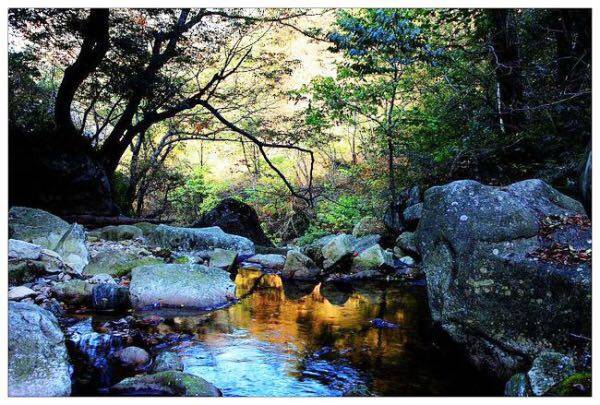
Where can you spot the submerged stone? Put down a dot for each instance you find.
(167, 361)
(91, 352)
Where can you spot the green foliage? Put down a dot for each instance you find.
(312, 233)
(196, 196)
(30, 94)
(120, 186)
(342, 214)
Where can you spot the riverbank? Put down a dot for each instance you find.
(163, 310)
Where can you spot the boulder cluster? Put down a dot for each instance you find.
(507, 269)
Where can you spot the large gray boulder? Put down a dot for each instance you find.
(180, 285)
(337, 250)
(497, 282)
(299, 266)
(269, 261)
(199, 241)
(313, 249)
(38, 364)
(49, 231)
(374, 257)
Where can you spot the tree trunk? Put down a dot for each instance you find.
(94, 47)
(507, 64)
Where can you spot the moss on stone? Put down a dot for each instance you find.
(122, 269)
(174, 383)
(182, 260)
(146, 227)
(576, 385)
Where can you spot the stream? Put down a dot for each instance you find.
(286, 338)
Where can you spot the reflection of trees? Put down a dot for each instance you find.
(282, 312)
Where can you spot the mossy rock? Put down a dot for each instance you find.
(168, 361)
(125, 268)
(38, 363)
(117, 232)
(146, 227)
(73, 291)
(372, 258)
(518, 386)
(49, 231)
(179, 286)
(166, 383)
(25, 271)
(577, 385)
(116, 262)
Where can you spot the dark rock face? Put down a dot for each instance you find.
(60, 176)
(110, 296)
(495, 281)
(237, 218)
(394, 216)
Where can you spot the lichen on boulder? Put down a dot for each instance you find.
(38, 363)
(180, 285)
(486, 286)
(49, 231)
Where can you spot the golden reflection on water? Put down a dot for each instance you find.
(310, 316)
(241, 344)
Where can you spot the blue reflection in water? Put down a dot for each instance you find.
(244, 366)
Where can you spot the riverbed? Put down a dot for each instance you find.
(285, 338)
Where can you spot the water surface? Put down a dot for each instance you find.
(301, 339)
